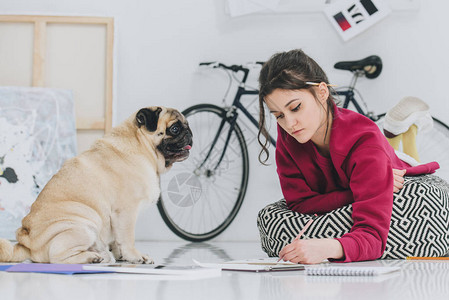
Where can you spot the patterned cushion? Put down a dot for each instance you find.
(419, 222)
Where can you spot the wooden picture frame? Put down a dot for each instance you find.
(67, 52)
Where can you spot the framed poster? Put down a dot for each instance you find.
(352, 17)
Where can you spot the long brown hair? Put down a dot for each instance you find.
(288, 71)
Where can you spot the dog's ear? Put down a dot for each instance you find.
(149, 118)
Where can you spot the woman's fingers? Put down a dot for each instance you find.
(400, 173)
(398, 179)
(284, 251)
(397, 186)
(288, 253)
(398, 182)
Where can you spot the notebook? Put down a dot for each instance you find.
(69, 269)
(350, 271)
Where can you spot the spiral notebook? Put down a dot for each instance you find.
(350, 271)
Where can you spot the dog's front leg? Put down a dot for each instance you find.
(123, 224)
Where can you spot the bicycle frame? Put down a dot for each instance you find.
(349, 98)
(240, 92)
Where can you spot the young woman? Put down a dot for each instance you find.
(327, 158)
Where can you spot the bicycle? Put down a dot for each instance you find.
(204, 194)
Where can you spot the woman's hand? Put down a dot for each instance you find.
(311, 251)
(398, 176)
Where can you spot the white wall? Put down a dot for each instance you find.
(159, 44)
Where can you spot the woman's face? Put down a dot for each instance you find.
(299, 113)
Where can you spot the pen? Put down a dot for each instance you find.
(302, 231)
(427, 258)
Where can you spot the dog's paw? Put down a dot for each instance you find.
(94, 258)
(137, 259)
(143, 259)
(108, 258)
(147, 259)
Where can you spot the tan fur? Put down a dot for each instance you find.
(90, 206)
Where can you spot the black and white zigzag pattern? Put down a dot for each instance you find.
(419, 222)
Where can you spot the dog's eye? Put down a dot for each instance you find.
(175, 129)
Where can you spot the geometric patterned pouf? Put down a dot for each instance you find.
(419, 222)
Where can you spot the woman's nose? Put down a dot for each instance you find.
(290, 121)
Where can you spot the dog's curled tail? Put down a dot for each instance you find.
(13, 253)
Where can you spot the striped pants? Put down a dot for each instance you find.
(419, 223)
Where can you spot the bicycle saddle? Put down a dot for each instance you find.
(371, 66)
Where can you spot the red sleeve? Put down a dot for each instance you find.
(297, 193)
(371, 182)
(428, 168)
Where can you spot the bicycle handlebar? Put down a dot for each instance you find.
(233, 68)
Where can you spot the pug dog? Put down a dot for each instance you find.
(87, 212)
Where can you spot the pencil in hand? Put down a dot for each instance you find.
(302, 231)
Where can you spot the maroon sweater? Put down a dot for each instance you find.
(358, 172)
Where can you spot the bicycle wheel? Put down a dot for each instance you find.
(198, 203)
(432, 146)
